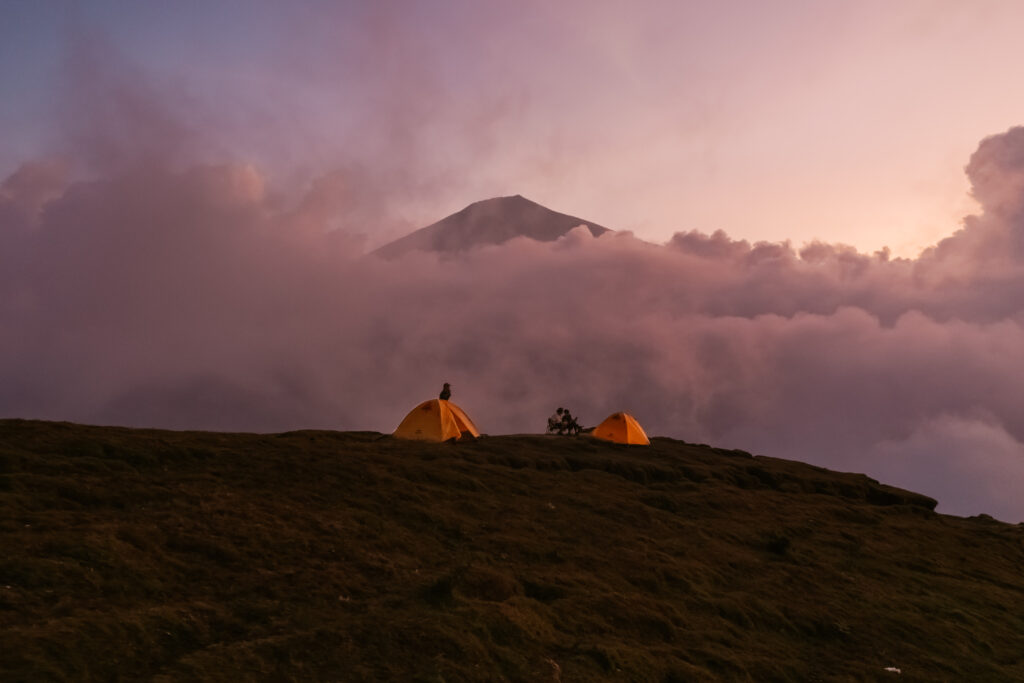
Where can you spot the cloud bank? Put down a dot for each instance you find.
(150, 290)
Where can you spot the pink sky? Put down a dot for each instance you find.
(840, 121)
(185, 200)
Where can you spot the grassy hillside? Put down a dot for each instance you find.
(155, 555)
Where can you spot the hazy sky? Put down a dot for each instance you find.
(187, 191)
(842, 121)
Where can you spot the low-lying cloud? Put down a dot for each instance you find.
(151, 293)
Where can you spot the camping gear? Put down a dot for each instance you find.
(436, 420)
(621, 428)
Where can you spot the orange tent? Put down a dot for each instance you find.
(621, 428)
(436, 420)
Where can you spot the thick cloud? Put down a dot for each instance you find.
(969, 463)
(152, 290)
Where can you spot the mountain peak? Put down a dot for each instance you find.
(489, 221)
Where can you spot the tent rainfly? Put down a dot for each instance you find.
(436, 420)
(621, 428)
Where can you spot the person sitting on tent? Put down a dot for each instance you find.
(446, 392)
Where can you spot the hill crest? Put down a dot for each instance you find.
(141, 554)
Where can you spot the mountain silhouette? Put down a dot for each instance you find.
(491, 221)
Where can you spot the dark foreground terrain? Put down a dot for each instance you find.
(155, 555)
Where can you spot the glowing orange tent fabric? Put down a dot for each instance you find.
(621, 428)
(436, 420)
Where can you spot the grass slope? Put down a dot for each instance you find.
(141, 554)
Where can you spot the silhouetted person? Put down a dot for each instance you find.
(446, 393)
(555, 422)
(562, 422)
(569, 424)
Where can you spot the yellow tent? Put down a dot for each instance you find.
(436, 420)
(621, 428)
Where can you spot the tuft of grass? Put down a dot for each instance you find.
(777, 543)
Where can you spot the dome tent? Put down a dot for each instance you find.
(621, 428)
(436, 420)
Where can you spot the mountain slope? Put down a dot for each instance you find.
(143, 554)
(491, 221)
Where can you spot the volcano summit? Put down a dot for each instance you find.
(491, 221)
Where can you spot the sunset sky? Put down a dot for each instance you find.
(188, 191)
(841, 121)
